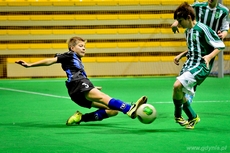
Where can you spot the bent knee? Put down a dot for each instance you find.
(177, 85)
(111, 112)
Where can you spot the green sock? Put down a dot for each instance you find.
(178, 107)
(189, 111)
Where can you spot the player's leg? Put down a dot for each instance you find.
(190, 97)
(77, 90)
(84, 93)
(104, 110)
(115, 104)
(97, 115)
(109, 112)
(102, 113)
(187, 83)
(93, 94)
(178, 103)
(193, 118)
(188, 110)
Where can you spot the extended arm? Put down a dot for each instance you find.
(44, 62)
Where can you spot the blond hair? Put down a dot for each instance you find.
(74, 41)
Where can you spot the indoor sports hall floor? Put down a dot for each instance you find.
(34, 111)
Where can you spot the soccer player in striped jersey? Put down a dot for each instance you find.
(213, 14)
(203, 45)
(81, 90)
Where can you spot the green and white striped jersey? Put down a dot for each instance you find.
(201, 41)
(216, 18)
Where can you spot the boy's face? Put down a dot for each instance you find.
(212, 3)
(79, 49)
(185, 23)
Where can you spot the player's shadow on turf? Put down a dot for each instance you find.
(156, 130)
(215, 114)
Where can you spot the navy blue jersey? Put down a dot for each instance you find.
(71, 63)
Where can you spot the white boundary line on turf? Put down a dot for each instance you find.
(35, 93)
(64, 97)
(213, 101)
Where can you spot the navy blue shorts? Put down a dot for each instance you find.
(77, 90)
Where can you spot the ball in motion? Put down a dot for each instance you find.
(146, 113)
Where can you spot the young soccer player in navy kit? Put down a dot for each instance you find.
(203, 45)
(80, 88)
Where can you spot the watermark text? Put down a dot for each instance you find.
(207, 148)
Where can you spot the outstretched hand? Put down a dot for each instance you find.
(22, 63)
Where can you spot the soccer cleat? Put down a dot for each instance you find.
(132, 112)
(181, 121)
(193, 122)
(74, 119)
